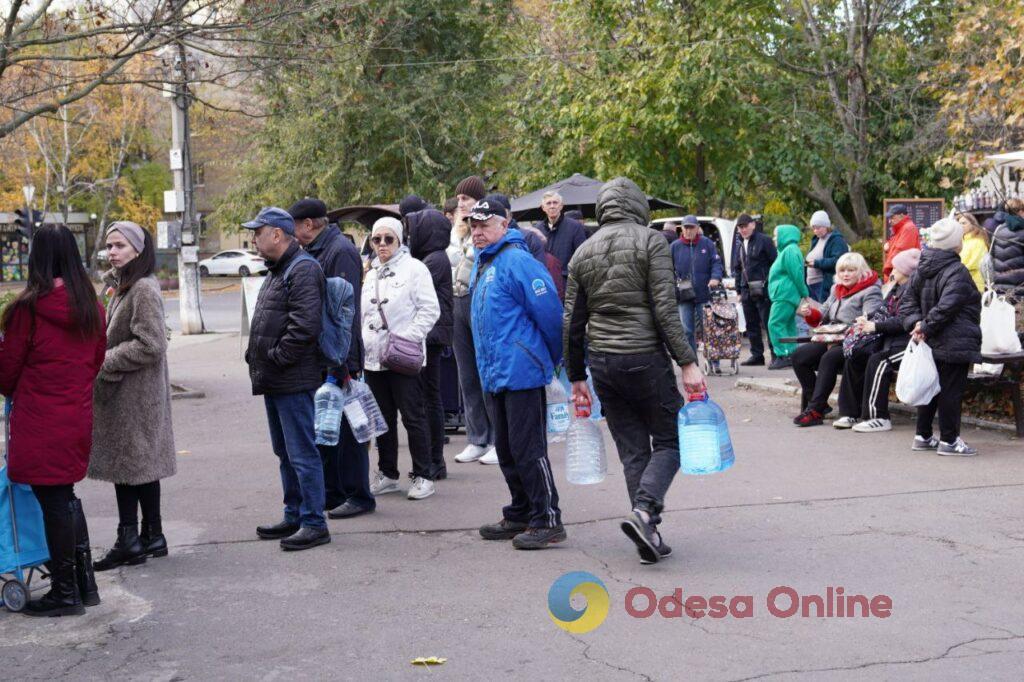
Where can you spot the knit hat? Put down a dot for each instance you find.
(132, 232)
(906, 261)
(946, 235)
(388, 224)
(820, 219)
(411, 204)
(473, 186)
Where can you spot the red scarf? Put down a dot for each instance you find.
(690, 242)
(842, 292)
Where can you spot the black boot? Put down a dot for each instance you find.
(154, 543)
(63, 598)
(84, 575)
(127, 551)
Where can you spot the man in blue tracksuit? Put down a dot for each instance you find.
(698, 269)
(517, 329)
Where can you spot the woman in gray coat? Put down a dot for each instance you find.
(133, 443)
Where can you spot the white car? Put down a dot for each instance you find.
(236, 263)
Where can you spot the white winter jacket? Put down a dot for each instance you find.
(409, 302)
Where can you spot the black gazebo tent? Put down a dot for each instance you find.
(578, 192)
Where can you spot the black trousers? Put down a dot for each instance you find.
(58, 521)
(756, 314)
(952, 381)
(396, 393)
(347, 471)
(864, 390)
(817, 366)
(520, 438)
(430, 381)
(130, 498)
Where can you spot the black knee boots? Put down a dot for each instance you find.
(63, 599)
(84, 575)
(127, 551)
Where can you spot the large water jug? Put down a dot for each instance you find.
(362, 412)
(558, 411)
(704, 443)
(585, 459)
(327, 421)
(595, 412)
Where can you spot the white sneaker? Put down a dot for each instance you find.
(382, 485)
(958, 448)
(844, 423)
(874, 426)
(491, 457)
(421, 489)
(471, 454)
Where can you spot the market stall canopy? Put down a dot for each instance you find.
(1014, 159)
(364, 215)
(578, 192)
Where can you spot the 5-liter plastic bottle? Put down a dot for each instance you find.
(558, 411)
(362, 412)
(328, 400)
(704, 443)
(585, 459)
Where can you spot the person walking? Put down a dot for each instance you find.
(479, 429)
(787, 286)
(51, 349)
(698, 269)
(347, 464)
(517, 321)
(620, 304)
(903, 235)
(429, 233)
(753, 255)
(943, 308)
(398, 300)
(285, 367)
(827, 246)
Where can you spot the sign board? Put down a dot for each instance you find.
(168, 234)
(175, 159)
(924, 212)
(190, 254)
(174, 202)
(250, 292)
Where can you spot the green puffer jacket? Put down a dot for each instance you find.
(621, 288)
(786, 280)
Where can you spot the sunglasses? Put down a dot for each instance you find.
(386, 240)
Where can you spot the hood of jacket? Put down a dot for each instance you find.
(55, 306)
(513, 237)
(621, 201)
(787, 235)
(429, 231)
(535, 243)
(934, 261)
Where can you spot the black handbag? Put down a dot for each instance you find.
(755, 289)
(685, 292)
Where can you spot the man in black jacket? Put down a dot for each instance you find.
(285, 368)
(429, 237)
(752, 258)
(347, 464)
(564, 234)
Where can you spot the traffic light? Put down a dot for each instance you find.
(26, 226)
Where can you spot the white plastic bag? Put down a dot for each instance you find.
(998, 325)
(918, 379)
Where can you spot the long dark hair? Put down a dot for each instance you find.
(55, 254)
(141, 266)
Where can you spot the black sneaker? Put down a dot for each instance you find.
(643, 535)
(539, 538)
(753, 361)
(781, 363)
(277, 531)
(664, 550)
(306, 538)
(347, 510)
(502, 530)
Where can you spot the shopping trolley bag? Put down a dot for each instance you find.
(22, 538)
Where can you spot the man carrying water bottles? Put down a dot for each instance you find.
(621, 299)
(517, 322)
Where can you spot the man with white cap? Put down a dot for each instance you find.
(826, 248)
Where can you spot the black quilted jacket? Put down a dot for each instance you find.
(942, 296)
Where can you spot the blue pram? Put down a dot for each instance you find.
(22, 538)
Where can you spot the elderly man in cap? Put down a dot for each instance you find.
(903, 235)
(285, 368)
(347, 464)
(517, 324)
(698, 269)
(565, 234)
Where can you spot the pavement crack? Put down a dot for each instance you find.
(586, 655)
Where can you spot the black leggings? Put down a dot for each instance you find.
(131, 497)
(817, 366)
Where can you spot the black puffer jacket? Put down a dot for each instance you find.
(887, 319)
(943, 297)
(429, 236)
(283, 355)
(1008, 255)
(340, 258)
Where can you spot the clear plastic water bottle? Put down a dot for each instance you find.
(585, 460)
(362, 412)
(558, 411)
(328, 400)
(595, 410)
(704, 443)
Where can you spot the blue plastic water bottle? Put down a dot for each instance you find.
(328, 400)
(704, 443)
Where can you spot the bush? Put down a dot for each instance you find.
(871, 249)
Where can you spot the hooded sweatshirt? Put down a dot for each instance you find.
(786, 281)
(429, 233)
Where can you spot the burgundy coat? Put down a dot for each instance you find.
(49, 370)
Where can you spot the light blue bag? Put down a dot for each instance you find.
(20, 513)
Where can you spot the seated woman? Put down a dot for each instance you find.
(856, 293)
(874, 355)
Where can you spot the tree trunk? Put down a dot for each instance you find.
(823, 195)
(702, 181)
(858, 200)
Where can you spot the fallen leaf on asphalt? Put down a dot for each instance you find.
(433, 660)
(184, 452)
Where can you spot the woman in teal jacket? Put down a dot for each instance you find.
(786, 287)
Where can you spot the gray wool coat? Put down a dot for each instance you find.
(132, 438)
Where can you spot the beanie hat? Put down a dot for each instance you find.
(946, 235)
(132, 232)
(906, 261)
(411, 204)
(473, 186)
(388, 224)
(820, 219)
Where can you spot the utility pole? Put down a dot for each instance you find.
(184, 202)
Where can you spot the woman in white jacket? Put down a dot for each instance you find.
(401, 287)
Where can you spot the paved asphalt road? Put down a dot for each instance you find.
(221, 310)
(803, 509)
